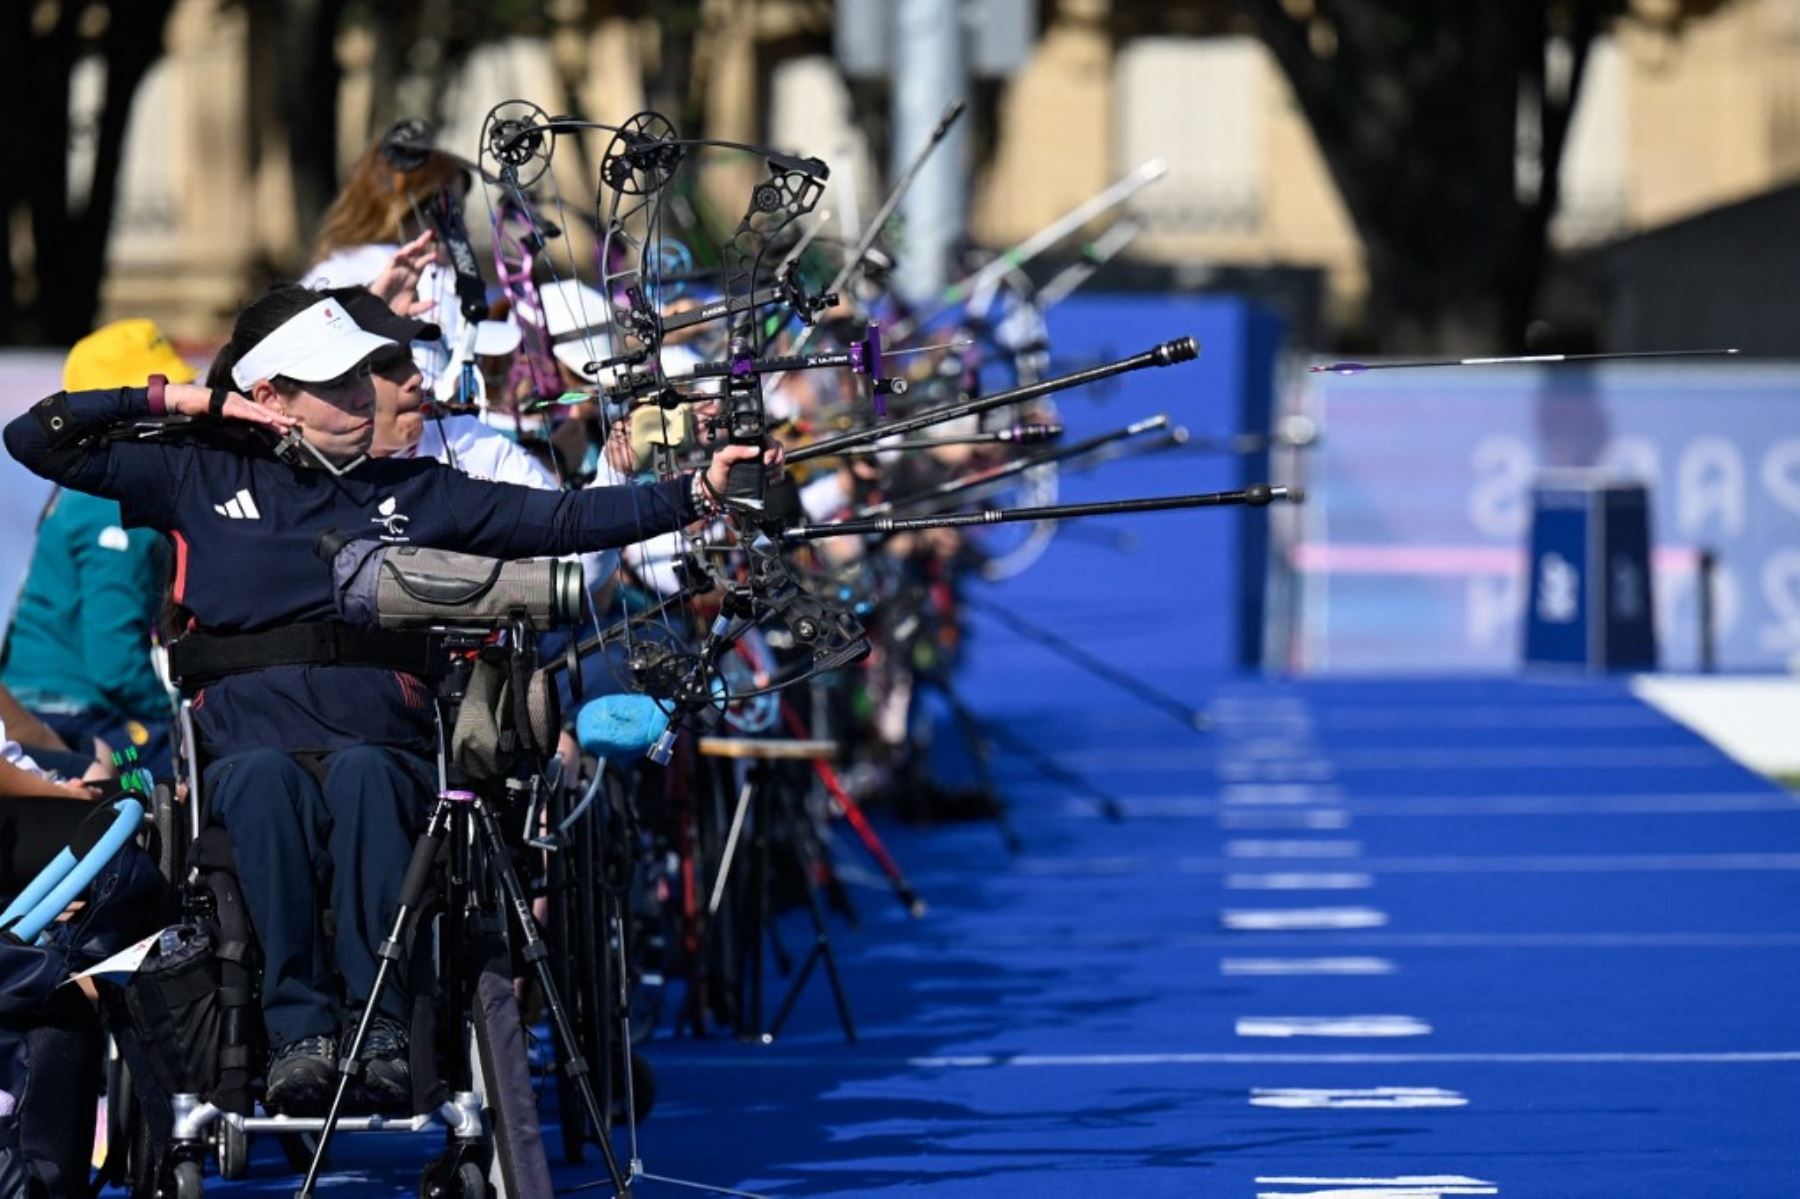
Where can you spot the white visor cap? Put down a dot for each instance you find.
(496, 339)
(575, 316)
(315, 345)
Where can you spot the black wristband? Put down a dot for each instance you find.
(706, 499)
(215, 408)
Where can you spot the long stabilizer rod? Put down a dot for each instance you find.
(1182, 349)
(1257, 495)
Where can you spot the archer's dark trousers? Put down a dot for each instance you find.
(302, 845)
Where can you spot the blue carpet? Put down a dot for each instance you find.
(1585, 919)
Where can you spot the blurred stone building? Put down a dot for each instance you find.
(1667, 128)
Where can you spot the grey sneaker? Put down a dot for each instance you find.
(302, 1077)
(386, 1066)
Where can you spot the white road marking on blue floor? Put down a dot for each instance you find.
(1357, 1097)
(1488, 716)
(1304, 770)
(1423, 758)
(1070, 1060)
(1400, 1186)
(1323, 819)
(1298, 919)
(1531, 757)
(1058, 866)
(1522, 941)
(1293, 849)
(1263, 967)
(1050, 1061)
(1279, 793)
(1332, 1026)
(1629, 863)
(1647, 804)
(1623, 863)
(1298, 880)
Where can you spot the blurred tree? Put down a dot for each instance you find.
(50, 291)
(294, 78)
(419, 47)
(1425, 113)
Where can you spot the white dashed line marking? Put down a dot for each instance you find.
(1301, 919)
(1362, 1097)
(1332, 1026)
(1323, 819)
(1292, 849)
(1297, 880)
(1266, 967)
(1401, 1186)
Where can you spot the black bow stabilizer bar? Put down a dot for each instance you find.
(1257, 495)
(1182, 349)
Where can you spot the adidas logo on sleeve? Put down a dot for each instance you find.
(239, 507)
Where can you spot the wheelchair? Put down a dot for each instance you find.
(457, 943)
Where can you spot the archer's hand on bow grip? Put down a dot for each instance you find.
(718, 471)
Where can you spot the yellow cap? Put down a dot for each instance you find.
(123, 354)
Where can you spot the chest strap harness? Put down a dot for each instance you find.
(201, 657)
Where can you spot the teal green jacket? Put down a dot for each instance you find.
(80, 636)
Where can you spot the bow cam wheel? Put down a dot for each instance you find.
(642, 155)
(516, 142)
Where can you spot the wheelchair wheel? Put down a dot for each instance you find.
(141, 1165)
(643, 1087)
(453, 1177)
(167, 818)
(585, 997)
(188, 1180)
(233, 1149)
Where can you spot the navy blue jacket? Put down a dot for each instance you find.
(245, 524)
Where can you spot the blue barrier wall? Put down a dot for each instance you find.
(1105, 580)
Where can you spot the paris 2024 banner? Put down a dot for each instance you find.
(1413, 551)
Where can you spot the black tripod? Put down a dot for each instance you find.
(982, 736)
(603, 921)
(469, 817)
(775, 820)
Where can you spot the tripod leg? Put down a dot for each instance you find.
(562, 887)
(731, 841)
(865, 832)
(1185, 714)
(750, 1014)
(412, 891)
(793, 995)
(537, 957)
(981, 753)
(621, 1000)
(682, 808)
(1036, 758)
(821, 951)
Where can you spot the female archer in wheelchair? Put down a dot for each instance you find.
(316, 736)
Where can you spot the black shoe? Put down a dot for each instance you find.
(386, 1066)
(302, 1077)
